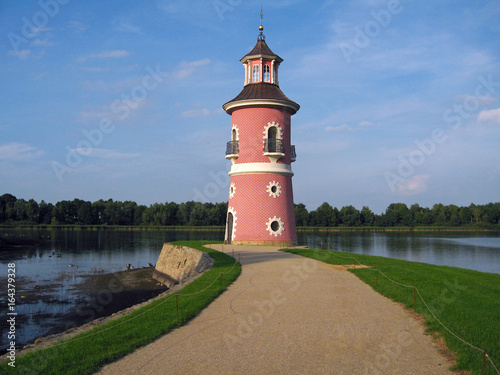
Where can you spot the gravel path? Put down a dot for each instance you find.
(291, 315)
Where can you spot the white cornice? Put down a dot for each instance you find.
(261, 168)
(231, 106)
(261, 56)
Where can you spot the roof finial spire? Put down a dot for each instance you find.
(261, 28)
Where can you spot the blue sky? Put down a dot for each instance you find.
(122, 99)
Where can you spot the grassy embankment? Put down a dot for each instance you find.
(87, 352)
(465, 301)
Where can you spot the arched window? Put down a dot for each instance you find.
(267, 73)
(271, 139)
(255, 71)
(234, 135)
(272, 132)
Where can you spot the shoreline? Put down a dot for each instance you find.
(45, 341)
(221, 228)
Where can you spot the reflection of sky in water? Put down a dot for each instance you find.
(43, 269)
(486, 242)
(477, 253)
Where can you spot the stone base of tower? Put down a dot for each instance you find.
(265, 243)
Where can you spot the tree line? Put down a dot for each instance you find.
(19, 211)
(399, 214)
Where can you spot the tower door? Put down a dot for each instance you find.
(229, 227)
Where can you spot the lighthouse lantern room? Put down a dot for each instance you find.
(260, 207)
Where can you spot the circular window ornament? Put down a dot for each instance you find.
(275, 226)
(274, 189)
(232, 190)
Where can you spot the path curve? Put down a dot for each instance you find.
(287, 314)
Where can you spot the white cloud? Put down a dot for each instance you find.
(19, 152)
(414, 185)
(124, 25)
(22, 54)
(41, 75)
(117, 53)
(330, 128)
(98, 85)
(365, 123)
(42, 42)
(187, 68)
(95, 69)
(200, 113)
(492, 115)
(103, 153)
(77, 26)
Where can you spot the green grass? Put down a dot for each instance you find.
(87, 352)
(465, 301)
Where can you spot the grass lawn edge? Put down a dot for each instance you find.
(467, 301)
(87, 352)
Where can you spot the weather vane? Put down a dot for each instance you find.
(261, 28)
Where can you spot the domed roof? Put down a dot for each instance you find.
(261, 49)
(261, 94)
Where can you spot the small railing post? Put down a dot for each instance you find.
(484, 360)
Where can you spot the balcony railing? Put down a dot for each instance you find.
(274, 146)
(293, 154)
(232, 148)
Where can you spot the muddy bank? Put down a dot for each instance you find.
(96, 297)
(131, 280)
(113, 292)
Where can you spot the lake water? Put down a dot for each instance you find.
(49, 294)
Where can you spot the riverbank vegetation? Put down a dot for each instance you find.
(89, 351)
(466, 302)
(15, 211)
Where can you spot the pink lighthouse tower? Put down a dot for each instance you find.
(260, 208)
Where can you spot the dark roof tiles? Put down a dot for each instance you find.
(261, 48)
(262, 90)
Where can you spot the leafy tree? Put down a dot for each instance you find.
(99, 208)
(465, 215)
(454, 212)
(367, 217)
(350, 216)
(325, 215)
(138, 214)
(301, 215)
(86, 214)
(493, 213)
(65, 212)
(398, 214)
(45, 212)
